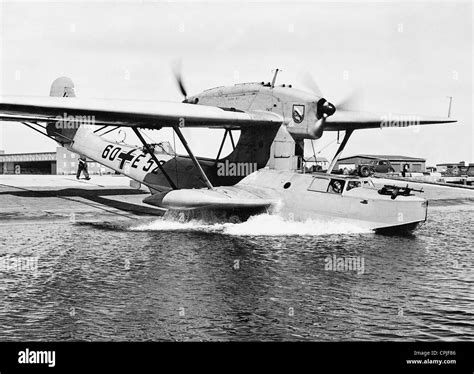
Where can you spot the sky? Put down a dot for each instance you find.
(398, 57)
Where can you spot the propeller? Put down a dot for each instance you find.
(325, 109)
(179, 80)
(310, 83)
(352, 101)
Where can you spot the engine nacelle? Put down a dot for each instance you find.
(316, 131)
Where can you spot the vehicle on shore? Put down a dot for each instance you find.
(375, 166)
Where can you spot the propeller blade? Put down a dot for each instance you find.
(352, 101)
(310, 83)
(179, 79)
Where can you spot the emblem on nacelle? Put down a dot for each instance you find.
(298, 113)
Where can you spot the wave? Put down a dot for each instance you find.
(260, 225)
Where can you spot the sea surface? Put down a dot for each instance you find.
(265, 280)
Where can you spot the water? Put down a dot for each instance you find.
(262, 280)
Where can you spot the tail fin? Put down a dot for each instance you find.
(62, 87)
(61, 130)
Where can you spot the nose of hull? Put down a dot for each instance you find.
(405, 229)
(413, 213)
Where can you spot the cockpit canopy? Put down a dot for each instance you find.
(338, 185)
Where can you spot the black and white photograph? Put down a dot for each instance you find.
(236, 172)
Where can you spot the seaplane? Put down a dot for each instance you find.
(263, 172)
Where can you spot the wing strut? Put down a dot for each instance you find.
(347, 135)
(222, 145)
(153, 156)
(195, 161)
(232, 139)
(30, 125)
(223, 142)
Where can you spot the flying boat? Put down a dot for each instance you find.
(264, 171)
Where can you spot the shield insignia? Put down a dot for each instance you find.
(298, 113)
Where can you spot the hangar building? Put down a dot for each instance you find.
(415, 164)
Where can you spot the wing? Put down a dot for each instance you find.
(352, 120)
(131, 113)
(218, 198)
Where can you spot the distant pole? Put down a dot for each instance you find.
(449, 108)
(275, 77)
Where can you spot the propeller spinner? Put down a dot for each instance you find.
(324, 109)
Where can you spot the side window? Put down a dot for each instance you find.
(352, 184)
(336, 186)
(319, 185)
(368, 184)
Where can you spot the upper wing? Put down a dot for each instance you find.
(352, 120)
(145, 114)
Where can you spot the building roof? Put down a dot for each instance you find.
(28, 157)
(386, 157)
(452, 164)
(318, 159)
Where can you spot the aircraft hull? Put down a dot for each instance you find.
(363, 206)
(287, 193)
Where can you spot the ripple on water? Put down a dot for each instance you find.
(265, 279)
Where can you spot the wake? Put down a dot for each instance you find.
(260, 225)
